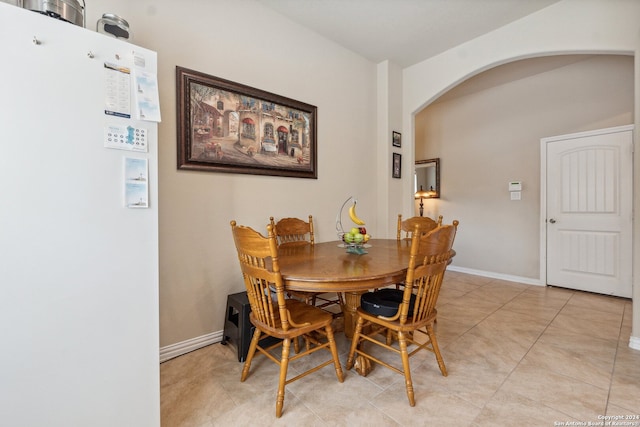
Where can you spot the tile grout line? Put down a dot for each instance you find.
(615, 360)
(527, 352)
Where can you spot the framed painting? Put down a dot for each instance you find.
(397, 166)
(396, 139)
(229, 127)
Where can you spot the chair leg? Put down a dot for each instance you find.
(252, 350)
(340, 298)
(402, 341)
(284, 364)
(389, 336)
(436, 349)
(334, 353)
(354, 343)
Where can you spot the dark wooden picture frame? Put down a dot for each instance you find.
(229, 127)
(428, 176)
(396, 139)
(396, 166)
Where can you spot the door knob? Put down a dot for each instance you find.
(552, 221)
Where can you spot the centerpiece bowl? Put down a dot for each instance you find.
(352, 247)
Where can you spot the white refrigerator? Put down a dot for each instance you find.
(78, 227)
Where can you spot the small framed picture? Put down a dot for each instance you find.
(396, 139)
(397, 165)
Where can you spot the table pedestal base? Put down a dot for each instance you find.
(352, 302)
(362, 365)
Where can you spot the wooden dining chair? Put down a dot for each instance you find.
(407, 313)
(406, 227)
(282, 318)
(292, 232)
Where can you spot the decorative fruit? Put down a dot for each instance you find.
(348, 238)
(353, 216)
(366, 238)
(362, 230)
(358, 238)
(354, 231)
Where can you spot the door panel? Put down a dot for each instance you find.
(589, 202)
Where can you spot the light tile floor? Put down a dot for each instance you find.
(516, 355)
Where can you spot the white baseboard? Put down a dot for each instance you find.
(634, 343)
(492, 275)
(184, 347)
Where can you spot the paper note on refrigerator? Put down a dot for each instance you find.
(136, 186)
(126, 138)
(118, 91)
(146, 96)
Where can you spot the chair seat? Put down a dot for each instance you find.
(304, 314)
(384, 302)
(395, 325)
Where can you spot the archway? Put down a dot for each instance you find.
(487, 129)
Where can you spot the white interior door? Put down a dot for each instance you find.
(589, 211)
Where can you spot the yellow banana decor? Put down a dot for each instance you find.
(354, 239)
(353, 216)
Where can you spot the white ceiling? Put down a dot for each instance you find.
(404, 32)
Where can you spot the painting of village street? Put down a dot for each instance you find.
(231, 131)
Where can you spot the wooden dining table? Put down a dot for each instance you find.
(327, 267)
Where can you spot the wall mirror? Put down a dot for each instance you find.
(427, 177)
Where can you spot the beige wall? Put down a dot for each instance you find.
(358, 105)
(246, 43)
(389, 105)
(487, 132)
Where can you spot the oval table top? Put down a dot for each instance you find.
(326, 267)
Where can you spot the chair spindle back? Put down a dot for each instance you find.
(258, 256)
(293, 231)
(407, 227)
(430, 255)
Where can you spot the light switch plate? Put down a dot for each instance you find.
(515, 186)
(516, 195)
